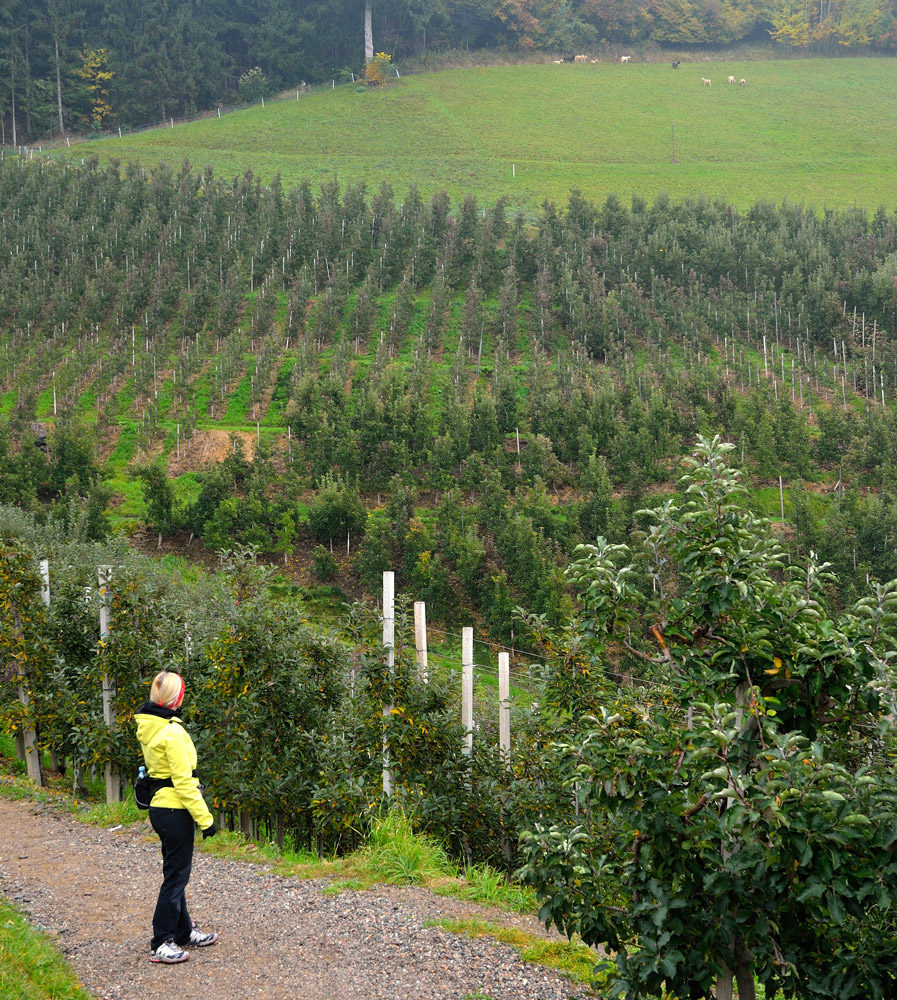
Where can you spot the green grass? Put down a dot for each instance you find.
(125, 448)
(394, 855)
(238, 403)
(44, 405)
(491, 887)
(571, 958)
(130, 508)
(30, 966)
(186, 489)
(811, 130)
(114, 813)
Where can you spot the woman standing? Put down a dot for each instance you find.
(176, 804)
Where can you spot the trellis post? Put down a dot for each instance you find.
(420, 640)
(467, 688)
(57, 763)
(45, 582)
(504, 704)
(113, 791)
(389, 639)
(27, 743)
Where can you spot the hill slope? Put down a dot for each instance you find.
(813, 131)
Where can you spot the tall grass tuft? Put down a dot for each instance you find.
(397, 854)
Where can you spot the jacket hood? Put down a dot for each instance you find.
(151, 718)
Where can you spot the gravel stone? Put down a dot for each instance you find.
(94, 892)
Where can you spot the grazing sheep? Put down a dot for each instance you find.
(742, 83)
(625, 59)
(676, 64)
(731, 79)
(705, 82)
(580, 59)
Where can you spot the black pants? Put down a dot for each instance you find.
(171, 919)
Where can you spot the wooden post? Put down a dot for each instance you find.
(467, 688)
(420, 640)
(29, 739)
(113, 791)
(389, 640)
(504, 703)
(782, 500)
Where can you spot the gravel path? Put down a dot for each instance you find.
(281, 939)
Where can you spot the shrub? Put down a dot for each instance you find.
(324, 564)
(253, 85)
(376, 73)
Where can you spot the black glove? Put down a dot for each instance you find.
(210, 831)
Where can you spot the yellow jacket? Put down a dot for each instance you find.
(169, 753)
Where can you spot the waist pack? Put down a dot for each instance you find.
(146, 787)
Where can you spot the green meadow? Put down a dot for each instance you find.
(821, 132)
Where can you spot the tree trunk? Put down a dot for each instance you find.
(28, 92)
(12, 88)
(744, 970)
(59, 89)
(368, 33)
(743, 977)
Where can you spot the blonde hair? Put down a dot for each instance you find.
(167, 689)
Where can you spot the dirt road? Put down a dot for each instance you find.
(281, 939)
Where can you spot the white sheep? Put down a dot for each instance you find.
(742, 83)
(704, 81)
(625, 59)
(731, 79)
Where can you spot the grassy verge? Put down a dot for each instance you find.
(572, 959)
(30, 966)
(393, 855)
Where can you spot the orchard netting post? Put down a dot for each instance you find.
(467, 688)
(389, 634)
(504, 704)
(420, 640)
(57, 763)
(29, 732)
(113, 791)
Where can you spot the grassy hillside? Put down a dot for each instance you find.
(821, 132)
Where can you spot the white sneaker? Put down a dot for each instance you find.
(170, 953)
(200, 940)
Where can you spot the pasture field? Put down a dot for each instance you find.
(818, 131)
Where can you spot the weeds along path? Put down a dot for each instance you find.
(281, 939)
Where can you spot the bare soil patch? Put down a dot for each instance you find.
(207, 448)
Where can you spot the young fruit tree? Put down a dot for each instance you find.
(737, 816)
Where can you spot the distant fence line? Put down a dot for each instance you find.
(220, 111)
